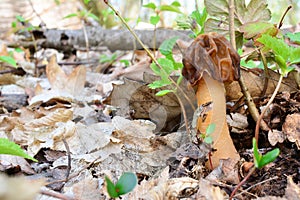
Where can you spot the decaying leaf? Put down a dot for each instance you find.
(209, 61)
(292, 129)
(275, 136)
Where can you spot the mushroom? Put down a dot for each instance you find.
(209, 62)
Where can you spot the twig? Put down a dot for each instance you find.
(283, 16)
(242, 182)
(55, 195)
(75, 174)
(231, 23)
(266, 71)
(266, 108)
(37, 14)
(69, 158)
(184, 114)
(259, 183)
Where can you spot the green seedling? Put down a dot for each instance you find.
(260, 160)
(207, 135)
(124, 185)
(11, 148)
(168, 66)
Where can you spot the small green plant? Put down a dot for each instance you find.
(168, 66)
(158, 9)
(207, 135)
(260, 160)
(124, 185)
(11, 148)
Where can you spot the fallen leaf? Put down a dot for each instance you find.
(291, 128)
(275, 136)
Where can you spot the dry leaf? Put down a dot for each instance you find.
(87, 189)
(291, 128)
(72, 84)
(275, 136)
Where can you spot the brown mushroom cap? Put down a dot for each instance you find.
(211, 53)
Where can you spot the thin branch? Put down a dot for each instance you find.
(283, 16)
(266, 108)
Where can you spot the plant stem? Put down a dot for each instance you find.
(283, 16)
(251, 105)
(242, 182)
(266, 108)
(231, 23)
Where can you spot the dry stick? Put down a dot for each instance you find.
(75, 174)
(150, 54)
(256, 184)
(283, 16)
(266, 108)
(69, 159)
(266, 71)
(55, 195)
(242, 182)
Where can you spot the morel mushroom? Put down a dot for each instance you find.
(209, 62)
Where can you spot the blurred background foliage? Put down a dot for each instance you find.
(52, 12)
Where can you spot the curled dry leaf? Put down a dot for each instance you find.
(208, 62)
(291, 128)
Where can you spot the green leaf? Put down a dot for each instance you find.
(18, 50)
(20, 18)
(11, 148)
(159, 83)
(256, 10)
(252, 29)
(295, 37)
(126, 183)
(166, 48)
(256, 154)
(91, 15)
(208, 139)
(269, 157)
(163, 92)
(262, 160)
(170, 8)
(154, 19)
(167, 66)
(86, 1)
(71, 15)
(295, 55)
(126, 62)
(111, 189)
(277, 45)
(150, 5)
(155, 69)
(250, 64)
(9, 60)
(176, 3)
(210, 129)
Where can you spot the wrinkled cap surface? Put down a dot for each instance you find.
(211, 53)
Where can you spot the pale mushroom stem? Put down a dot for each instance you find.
(210, 90)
